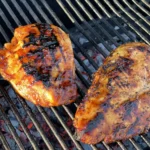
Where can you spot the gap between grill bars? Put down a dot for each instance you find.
(92, 21)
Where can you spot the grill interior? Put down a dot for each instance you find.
(95, 27)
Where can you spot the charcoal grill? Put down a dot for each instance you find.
(95, 28)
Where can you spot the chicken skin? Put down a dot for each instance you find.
(39, 63)
(117, 105)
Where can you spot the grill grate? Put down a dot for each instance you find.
(95, 21)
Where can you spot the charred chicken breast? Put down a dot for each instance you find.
(39, 63)
(117, 105)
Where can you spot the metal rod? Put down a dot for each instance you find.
(121, 145)
(136, 12)
(35, 17)
(146, 3)
(4, 34)
(11, 12)
(135, 144)
(3, 16)
(40, 11)
(20, 11)
(4, 141)
(147, 141)
(141, 7)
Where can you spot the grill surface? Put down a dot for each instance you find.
(98, 25)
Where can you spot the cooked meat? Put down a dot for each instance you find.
(117, 105)
(39, 63)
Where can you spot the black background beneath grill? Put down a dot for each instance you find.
(8, 23)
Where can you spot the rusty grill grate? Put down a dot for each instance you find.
(95, 28)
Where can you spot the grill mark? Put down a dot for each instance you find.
(61, 51)
(131, 130)
(95, 122)
(53, 56)
(44, 42)
(129, 108)
(141, 48)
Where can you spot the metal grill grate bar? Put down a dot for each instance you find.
(106, 22)
(11, 12)
(115, 21)
(145, 140)
(140, 7)
(121, 145)
(137, 13)
(132, 27)
(4, 141)
(35, 17)
(19, 9)
(104, 53)
(4, 34)
(132, 17)
(16, 113)
(146, 3)
(3, 16)
(41, 11)
(135, 144)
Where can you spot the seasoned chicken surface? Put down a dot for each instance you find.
(39, 63)
(117, 105)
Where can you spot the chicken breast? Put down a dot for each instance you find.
(39, 63)
(117, 105)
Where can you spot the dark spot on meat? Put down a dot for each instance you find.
(129, 107)
(132, 130)
(117, 128)
(114, 78)
(109, 67)
(105, 106)
(123, 64)
(141, 48)
(95, 122)
(46, 44)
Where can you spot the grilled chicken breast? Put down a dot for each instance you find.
(117, 105)
(39, 63)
